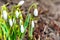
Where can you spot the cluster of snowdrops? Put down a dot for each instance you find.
(10, 28)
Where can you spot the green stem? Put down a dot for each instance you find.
(30, 28)
(33, 5)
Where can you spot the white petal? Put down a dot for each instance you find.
(21, 2)
(10, 22)
(4, 14)
(35, 12)
(22, 29)
(33, 24)
(17, 14)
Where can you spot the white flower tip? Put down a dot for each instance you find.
(4, 14)
(33, 24)
(22, 29)
(35, 12)
(21, 2)
(17, 14)
(10, 22)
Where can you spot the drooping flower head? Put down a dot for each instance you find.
(21, 2)
(35, 12)
(10, 22)
(22, 29)
(32, 24)
(17, 14)
(4, 14)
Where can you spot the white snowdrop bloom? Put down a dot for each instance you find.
(32, 24)
(22, 29)
(21, 2)
(10, 22)
(17, 14)
(35, 12)
(4, 14)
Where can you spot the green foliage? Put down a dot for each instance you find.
(13, 32)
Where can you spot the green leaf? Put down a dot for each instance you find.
(4, 28)
(1, 33)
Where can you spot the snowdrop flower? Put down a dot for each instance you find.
(4, 14)
(21, 2)
(32, 24)
(10, 22)
(22, 29)
(35, 12)
(17, 14)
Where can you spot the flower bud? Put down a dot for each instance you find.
(4, 14)
(17, 14)
(21, 2)
(33, 24)
(35, 12)
(10, 22)
(22, 29)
